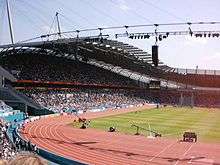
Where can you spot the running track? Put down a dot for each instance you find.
(104, 148)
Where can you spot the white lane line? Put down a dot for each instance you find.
(185, 153)
(191, 159)
(155, 156)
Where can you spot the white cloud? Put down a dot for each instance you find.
(217, 54)
(122, 5)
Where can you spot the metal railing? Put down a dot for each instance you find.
(196, 71)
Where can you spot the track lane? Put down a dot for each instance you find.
(141, 149)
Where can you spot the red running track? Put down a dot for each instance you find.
(104, 148)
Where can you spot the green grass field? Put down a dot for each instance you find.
(169, 121)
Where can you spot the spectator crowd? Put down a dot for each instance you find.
(46, 68)
(84, 100)
(7, 148)
(11, 145)
(11, 148)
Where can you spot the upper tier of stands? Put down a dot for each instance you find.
(200, 80)
(47, 68)
(143, 59)
(203, 78)
(111, 52)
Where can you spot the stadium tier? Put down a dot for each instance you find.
(85, 100)
(200, 80)
(92, 65)
(116, 53)
(48, 68)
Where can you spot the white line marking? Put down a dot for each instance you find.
(191, 159)
(184, 153)
(162, 151)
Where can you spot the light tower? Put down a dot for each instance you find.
(58, 24)
(10, 22)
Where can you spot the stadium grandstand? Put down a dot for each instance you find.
(62, 77)
(97, 66)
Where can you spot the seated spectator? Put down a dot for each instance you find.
(46, 68)
(84, 100)
(7, 149)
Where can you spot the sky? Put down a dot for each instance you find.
(33, 18)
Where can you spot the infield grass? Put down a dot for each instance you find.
(170, 122)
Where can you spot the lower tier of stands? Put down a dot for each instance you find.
(85, 99)
(102, 99)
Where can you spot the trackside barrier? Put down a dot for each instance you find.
(57, 159)
(46, 154)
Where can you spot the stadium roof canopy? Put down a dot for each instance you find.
(108, 51)
(112, 52)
